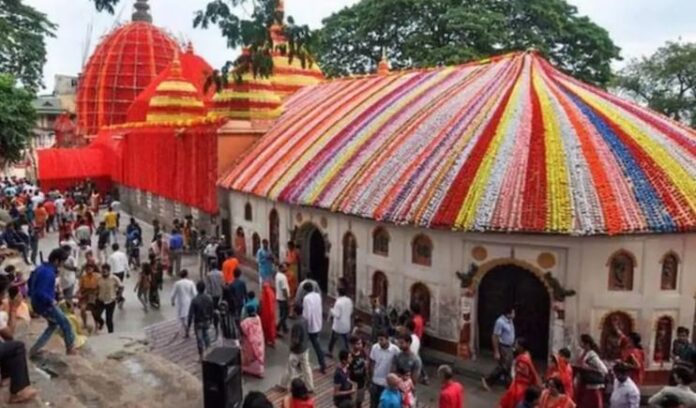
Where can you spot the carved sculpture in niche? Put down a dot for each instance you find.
(466, 279)
(614, 324)
(663, 339)
(668, 276)
(621, 268)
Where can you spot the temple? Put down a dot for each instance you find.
(463, 189)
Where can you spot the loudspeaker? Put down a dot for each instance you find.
(222, 378)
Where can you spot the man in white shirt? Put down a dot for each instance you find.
(342, 312)
(312, 313)
(282, 296)
(60, 208)
(681, 392)
(118, 261)
(382, 355)
(626, 393)
(68, 275)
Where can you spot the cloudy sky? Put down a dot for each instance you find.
(637, 26)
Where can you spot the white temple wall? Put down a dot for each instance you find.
(577, 263)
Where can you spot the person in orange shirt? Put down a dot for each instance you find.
(40, 220)
(50, 207)
(228, 268)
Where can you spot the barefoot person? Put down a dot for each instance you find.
(525, 376)
(502, 340)
(43, 301)
(182, 294)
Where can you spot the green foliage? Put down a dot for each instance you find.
(105, 5)
(421, 33)
(23, 30)
(665, 81)
(17, 119)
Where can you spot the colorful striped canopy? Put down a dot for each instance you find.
(505, 144)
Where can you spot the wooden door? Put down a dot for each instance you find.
(510, 285)
(318, 263)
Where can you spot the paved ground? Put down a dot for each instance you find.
(161, 330)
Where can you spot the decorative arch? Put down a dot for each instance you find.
(669, 272)
(255, 243)
(488, 266)
(350, 262)
(380, 287)
(622, 265)
(380, 241)
(248, 213)
(422, 250)
(421, 295)
(664, 327)
(274, 232)
(610, 340)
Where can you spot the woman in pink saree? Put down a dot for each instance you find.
(253, 352)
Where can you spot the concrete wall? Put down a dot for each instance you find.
(578, 263)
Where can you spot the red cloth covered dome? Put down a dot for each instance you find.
(122, 66)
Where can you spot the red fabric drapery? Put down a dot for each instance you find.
(63, 168)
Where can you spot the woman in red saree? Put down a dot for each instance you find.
(268, 314)
(253, 351)
(554, 397)
(525, 376)
(633, 355)
(560, 368)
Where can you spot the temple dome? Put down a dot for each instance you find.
(176, 99)
(122, 66)
(252, 98)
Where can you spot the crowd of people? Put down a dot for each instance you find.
(586, 380)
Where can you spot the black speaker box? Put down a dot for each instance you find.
(222, 378)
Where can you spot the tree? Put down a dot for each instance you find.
(23, 30)
(421, 33)
(664, 81)
(17, 119)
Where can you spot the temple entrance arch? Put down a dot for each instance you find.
(313, 255)
(513, 285)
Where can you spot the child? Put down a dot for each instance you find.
(407, 388)
(142, 288)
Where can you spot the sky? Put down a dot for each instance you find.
(637, 26)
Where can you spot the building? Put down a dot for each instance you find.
(50, 107)
(467, 189)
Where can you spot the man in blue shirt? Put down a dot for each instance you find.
(176, 246)
(42, 288)
(503, 340)
(264, 258)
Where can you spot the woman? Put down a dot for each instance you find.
(155, 283)
(591, 375)
(560, 368)
(94, 201)
(253, 352)
(299, 396)
(293, 260)
(634, 357)
(87, 293)
(554, 396)
(268, 314)
(525, 376)
(240, 242)
(160, 249)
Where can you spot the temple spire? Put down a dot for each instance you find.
(142, 11)
(383, 66)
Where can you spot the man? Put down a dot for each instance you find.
(12, 353)
(451, 392)
(228, 268)
(111, 223)
(298, 361)
(201, 314)
(108, 292)
(357, 369)
(381, 356)
(683, 350)
(134, 240)
(118, 262)
(208, 253)
(176, 246)
(312, 312)
(68, 275)
(216, 283)
(50, 208)
(502, 340)
(407, 361)
(83, 235)
(681, 392)
(391, 396)
(343, 387)
(102, 234)
(182, 295)
(301, 292)
(342, 313)
(282, 296)
(531, 398)
(236, 295)
(43, 301)
(380, 320)
(14, 240)
(60, 209)
(264, 259)
(626, 393)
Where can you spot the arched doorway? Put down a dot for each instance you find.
(274, 233)
(380, 288)
(420, 295)
(350, 250)
(312, 246)
(512, 285)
